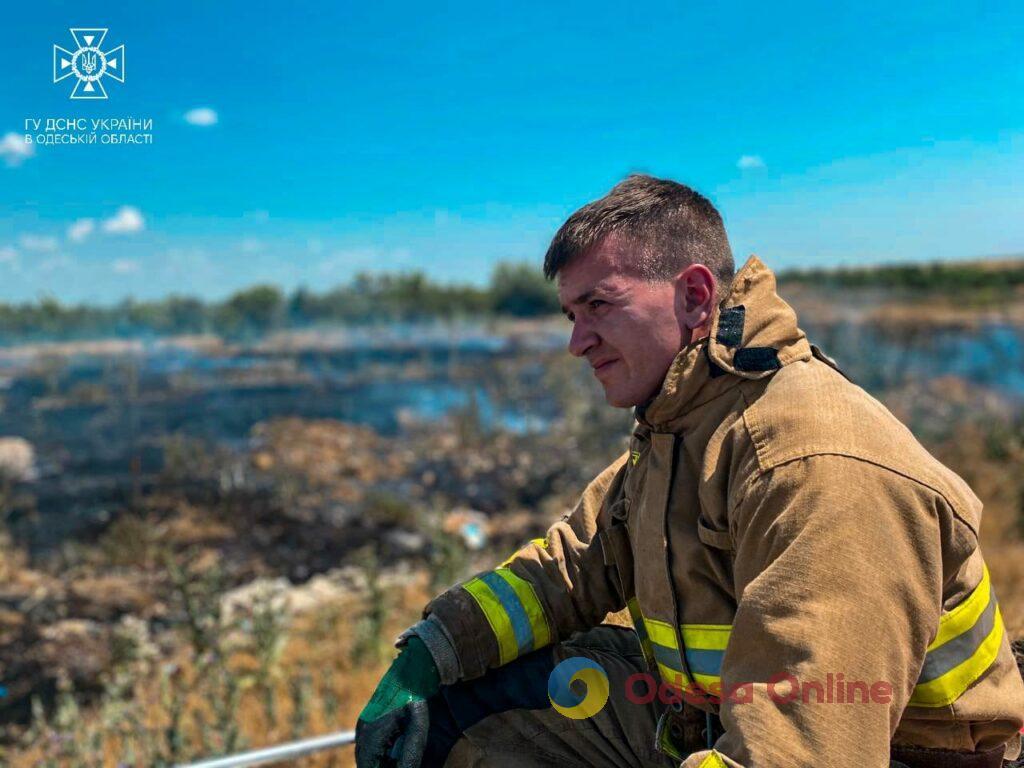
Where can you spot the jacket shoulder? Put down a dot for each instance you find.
(809, 409)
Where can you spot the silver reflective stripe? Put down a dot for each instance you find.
(667, 656)
(958, 650)
(704, 662)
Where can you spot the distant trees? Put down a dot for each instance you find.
(255, 310)
(520, 290)
(515, 289)
(937, 276)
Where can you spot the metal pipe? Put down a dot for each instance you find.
(288, 751)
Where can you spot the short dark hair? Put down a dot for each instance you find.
(672, 225)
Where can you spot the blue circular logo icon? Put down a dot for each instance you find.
(567, 701)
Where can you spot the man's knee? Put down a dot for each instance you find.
(523, 683)
(521, 688)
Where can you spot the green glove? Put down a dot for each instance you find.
(394, 722)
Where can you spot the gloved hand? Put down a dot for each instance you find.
(393, 725)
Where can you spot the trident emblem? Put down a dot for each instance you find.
(89, 64)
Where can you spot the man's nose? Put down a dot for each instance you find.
(582, 339)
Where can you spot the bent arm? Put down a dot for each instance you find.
(548, 589)
(838, 577)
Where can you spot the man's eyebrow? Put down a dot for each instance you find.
(605, 287)
(583, 297)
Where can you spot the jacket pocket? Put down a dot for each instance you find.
(619, 510)
(714, 538)
(618, 554)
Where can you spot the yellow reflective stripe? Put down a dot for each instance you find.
(713, 760)
(531, 604)
(948, 688)
(675, 678)
(541, 542)
(661, 633)
(699, 640)
(501, 624)
(964, 615)
(709, 683)
(706, 637)
(671, 676)
(641, 629)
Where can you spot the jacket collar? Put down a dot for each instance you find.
(753, 334)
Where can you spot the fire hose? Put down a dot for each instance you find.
(289, 751)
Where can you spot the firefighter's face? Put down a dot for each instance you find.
(628, 328)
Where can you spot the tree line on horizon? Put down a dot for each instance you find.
(944, 277)
(514, 290)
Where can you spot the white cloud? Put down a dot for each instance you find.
(125, 266)
(9, 258)
(57, 262)
(81, 229)
(201, 116)
(38, 243)
(14, 150)
(750, 162)
(251, 245)
(127, 220)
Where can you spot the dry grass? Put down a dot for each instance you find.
(319, 670)
(998, 483)
(239, 683)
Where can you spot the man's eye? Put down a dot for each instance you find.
(595, 303)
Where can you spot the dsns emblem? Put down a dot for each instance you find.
(89, 64)
(567, 701)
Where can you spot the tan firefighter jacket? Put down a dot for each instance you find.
(778, 536)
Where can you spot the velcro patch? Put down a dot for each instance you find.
(730, 326)
(756, 359)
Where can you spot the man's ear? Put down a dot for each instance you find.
(695, 298)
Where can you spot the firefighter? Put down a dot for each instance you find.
(803, 578)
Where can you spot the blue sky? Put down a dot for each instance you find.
(449, 137)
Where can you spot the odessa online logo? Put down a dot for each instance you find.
(567, 701)
(89, 63)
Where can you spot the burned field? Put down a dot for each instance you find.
(151, 489)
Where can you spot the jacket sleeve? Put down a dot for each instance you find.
(550, 588)
(838, 577)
